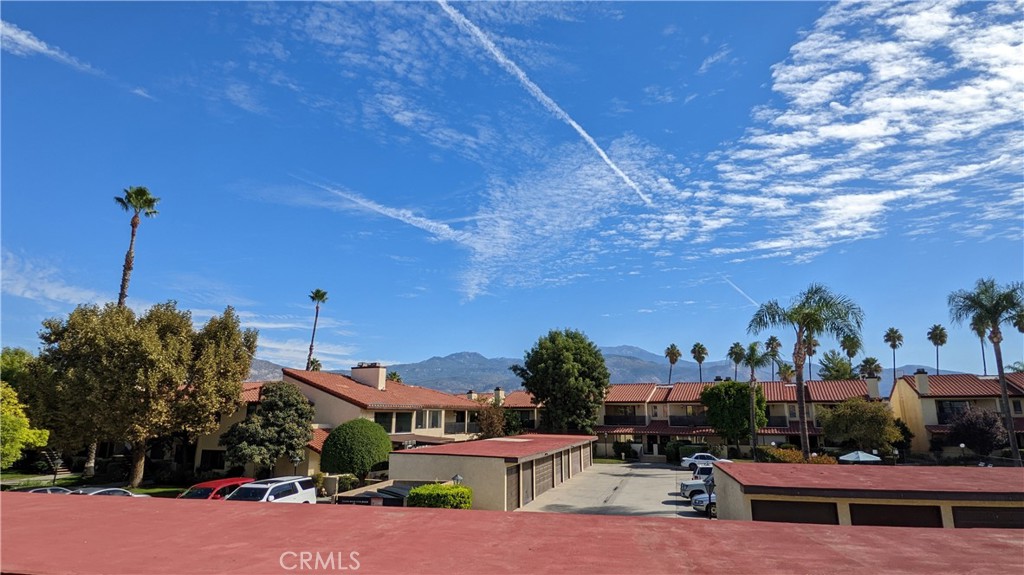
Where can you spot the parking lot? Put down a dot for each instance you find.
(640, 489)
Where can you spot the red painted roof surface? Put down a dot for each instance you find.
(516, 447)
(834, 391)
(968, 385)
(519, 398)
(629, 392)
(251, 391)
(169, 537)
(686, 392)
(395, 396)
(660, 394)
(779, 391)
(908, 479)
(319, 436)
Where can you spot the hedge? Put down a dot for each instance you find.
(441, 496)
(691, 450)
(777, 455)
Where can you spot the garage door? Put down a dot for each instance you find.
(895, 515)
(575, 457)
(794, 512)
(511, 487)
(527, 476)
(586, 451)
(566, 468)
(545, 474)
(558, 468)
(1005, 517)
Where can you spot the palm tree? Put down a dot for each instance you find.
(937, 335)
(786, 372)
(136, 200)
(894, 338)
(735, 355)
(317, 296)
(394, 376)
(811, 344)
(991, 305)
(772, 346)
(673, 354)
(699, 353)
(869, 367)
(850, 345)
(816, 310)
(979, 330)
(314, 364)
(754, 358)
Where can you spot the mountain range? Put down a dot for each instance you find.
(463, 371)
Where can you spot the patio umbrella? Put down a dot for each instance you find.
(860, 457)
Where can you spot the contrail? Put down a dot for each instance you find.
(536, 92)
(741, 292)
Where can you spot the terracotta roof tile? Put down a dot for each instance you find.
(659, 426)
(832, 391)
(686, 392)
(629, 392)
(660, 394)
(968, 385)
(779, 391)
(519, 398)
(319, 436)
(395, 396)
(792, 429)
(251, 391)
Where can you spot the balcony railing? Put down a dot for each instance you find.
(473, 428)
(778, 421)
(452, 428)
(529, 423)
(687, 420)
(625, 420)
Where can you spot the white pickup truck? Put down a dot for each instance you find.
(695, 487)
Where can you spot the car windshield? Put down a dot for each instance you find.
(248, 493)
(197, 493)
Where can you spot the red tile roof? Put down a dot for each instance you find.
(519, 447)
(660, 394)
(686, 392)
(1018, 426)
(519, 398)
(251, 391)
(968, 385)
(319, 436)
(834, 391)
(779, 391)
(395, 396)
(629, 392)
(792, 429)
(659, 426)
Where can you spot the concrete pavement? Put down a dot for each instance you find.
(638, 489)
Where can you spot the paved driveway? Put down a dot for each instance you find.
(643, 489)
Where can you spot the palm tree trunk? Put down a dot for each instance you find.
(984, 366)
(1007, 414)
(700, 371)
(129, 264)
(894, 367)
(138, 463)
(670, 373)
(316, 318)
(936, 360)
(773, 369)
(801, 411)
(753, 419)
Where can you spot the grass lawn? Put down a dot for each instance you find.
(159, 491)
(10, 475)
(607, 460)
(69, 481)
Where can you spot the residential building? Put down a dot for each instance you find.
(520, 402)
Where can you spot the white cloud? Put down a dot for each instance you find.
(42, 283)
(718, 56)
(293, 353)
(20, 42)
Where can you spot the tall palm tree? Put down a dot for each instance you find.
(317, 296)
(755, 359)
(991, 305)
(816, 310)
(850, 345)
(699, 353)
(786, 372)
(811, 344)
(937, 335)
(979, 330)
(869, 367)
(673, 354)
(136, 200)
(735, 355)
(894, 338)
(772, 345)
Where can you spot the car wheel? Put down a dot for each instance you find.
(695, 493)
(693, 467)
(712, 511)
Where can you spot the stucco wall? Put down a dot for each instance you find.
(330, 410)
(906, 405)
(485, 475)
(729, 499)
(210, 442)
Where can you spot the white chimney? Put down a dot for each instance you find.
(371, 374)
(471, 395)
(499, 396)
(872, 383)
(921, 379)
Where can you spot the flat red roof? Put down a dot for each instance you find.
(518, 447)
(169, 537)
(1004, 483)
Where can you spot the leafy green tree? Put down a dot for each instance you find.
(869, 367)
(728, 408)
(989, 306)
(754, 359)
(281, 426)
(699, 354)
(811, 344)
(136, 200)
(865, 424)
(772, 346)
(906, 436)
(938, 337)
(17, 434)
(816, 310)
(317, 296)
(835, 366)
(14, 365)
(979, 429)
(355, 447)
(735, 355)
(111, 375)
(894, 339)
(673, 354)
(492, 419)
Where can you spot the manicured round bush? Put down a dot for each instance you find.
(355, 447)
(441, 496)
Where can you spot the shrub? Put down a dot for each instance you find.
(622, 447)
(716, 450)
(789, 447)
(441, 496)
(357, 447)
(733, 452)
(347, 483)
(823, 460)
(41, 467)
(77, 464)
(778, 455)
(236, 471)
(672, 451)
(691, 450)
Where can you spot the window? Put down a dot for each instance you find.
(250, 408)
(947, 410)
(403, 422)
(384, 419)
(305, 484)
(211, 459)
(1017, 406)
(460, 417)
(435, 419)
(792, 411)
(284, 490)
(654, 411)
(421, 419)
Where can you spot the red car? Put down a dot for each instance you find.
(216, 489)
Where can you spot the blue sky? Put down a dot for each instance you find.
(465, 177)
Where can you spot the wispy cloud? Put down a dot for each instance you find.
(713, 59)
(24, 43)
(42, 283)
(535, 91)
(293, 352)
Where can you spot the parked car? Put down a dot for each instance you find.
(52, 489)
(693, 488)
(701, 505)
(702, 471)
(216, 489)
(109, 491)
(290, 489)
(700, 458)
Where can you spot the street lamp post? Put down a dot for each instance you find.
(962, 454)
(296, 459)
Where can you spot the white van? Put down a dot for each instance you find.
(291, 489)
